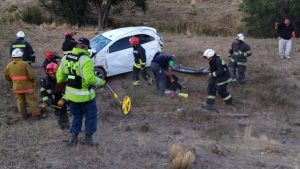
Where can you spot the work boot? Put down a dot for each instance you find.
(73, 139)
(210, 108)
(88, 140)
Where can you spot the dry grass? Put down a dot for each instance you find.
(179, 158)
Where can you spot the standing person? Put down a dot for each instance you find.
(162, 69)
(77, 69)
(239, 52)
(139, 54)
(52, 92)
(23, 79)
(286, 32)
(21, 43)
(69, 43)
(218, 79)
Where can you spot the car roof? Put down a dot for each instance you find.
(115, 33)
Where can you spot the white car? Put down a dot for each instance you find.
(113, 53)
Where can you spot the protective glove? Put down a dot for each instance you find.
(61, 103)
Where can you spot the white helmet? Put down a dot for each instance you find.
(240, 37)
(208, 53)
(20, 34)
(17, 53)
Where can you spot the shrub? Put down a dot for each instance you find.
(32, 15)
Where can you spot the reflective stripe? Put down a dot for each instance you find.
(71, 77)
(19, 46)
(227, 98)
(231, 59)
(49, 91)
(223, 62)
(45, 98)
(222, 83)
(241, 63)
(81, 93)
(23, 91)
(42, 89)
(211, 97)
(82, 59)
(20, 78)
(214, 74)
(137, 65)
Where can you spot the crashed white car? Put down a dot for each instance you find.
(113, 53)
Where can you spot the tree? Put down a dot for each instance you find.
(262, 14)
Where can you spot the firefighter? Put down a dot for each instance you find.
(239, 52)
(50, 57)
(51, 92)
(21, 43)
(69, 43)
(218, 79)
(162, 70)
(139, 54)
(77, 69)
(22, 77)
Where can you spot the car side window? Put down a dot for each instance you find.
(121, 44)
(145, 38)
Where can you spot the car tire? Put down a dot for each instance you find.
(100, 72)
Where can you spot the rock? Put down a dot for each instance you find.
(216, 149)
(177, 132)
(164, 154)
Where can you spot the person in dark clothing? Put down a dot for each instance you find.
(21, 43)
(69, 43)
(161, 67)
(51, 93)
(50, 57)
(238, 54)
(286, 32)
(139, 54)
(218, 79)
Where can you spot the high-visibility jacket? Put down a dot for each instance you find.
(239, 52)
(77, 69)
(21, 75)
(28, 53)
(139, 54)
(219, 71)
(68, 45)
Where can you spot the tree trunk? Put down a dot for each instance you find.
(103, 13)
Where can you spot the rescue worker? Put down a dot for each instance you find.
(50, 57)
(51, 92)
(77, 69)
(21, 43)
(218, 79)
(139, 54)
(22, 77)
(239, 52)
(69, 43)
(162, 70)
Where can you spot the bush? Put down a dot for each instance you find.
(32, 15)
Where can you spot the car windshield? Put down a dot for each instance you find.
(99, 42)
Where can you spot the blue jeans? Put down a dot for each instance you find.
(89, 111)
(160, 77)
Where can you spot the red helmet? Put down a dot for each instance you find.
(51, 69)
(68, 33)
(49, 55)
(134, 41)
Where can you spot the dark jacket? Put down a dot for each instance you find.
(54, 60)
(139, 54)
(68, 45)
(25, 47)
(219, 71)
(240, 51)
(50, 90)
(163, 61)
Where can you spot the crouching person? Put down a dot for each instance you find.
(23, 80)
(218, 79)
(52, 92)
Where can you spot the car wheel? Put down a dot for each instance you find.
(100, 72)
